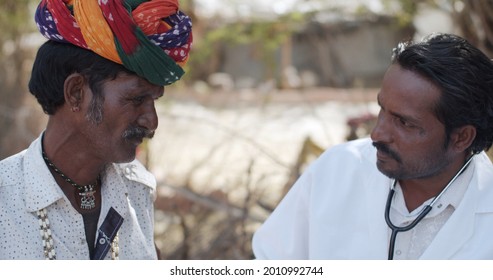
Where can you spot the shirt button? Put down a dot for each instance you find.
(398, 252)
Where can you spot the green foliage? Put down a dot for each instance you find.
(266, 36)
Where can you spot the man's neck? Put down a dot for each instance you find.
(65, 149)
(417, 191)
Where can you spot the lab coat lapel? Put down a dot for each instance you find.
(458, 229)
(454, 234)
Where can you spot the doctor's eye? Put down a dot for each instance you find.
(404, 122)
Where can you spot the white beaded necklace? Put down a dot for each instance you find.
(49, 248)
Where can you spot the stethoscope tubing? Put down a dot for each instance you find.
(396, 229)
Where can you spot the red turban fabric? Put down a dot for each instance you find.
(151, 38)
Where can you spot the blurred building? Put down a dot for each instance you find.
(327, 52)
(341, 43)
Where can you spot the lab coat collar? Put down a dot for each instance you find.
(460, 226)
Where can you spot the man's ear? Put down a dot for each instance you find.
(73, 90)
(462, 137)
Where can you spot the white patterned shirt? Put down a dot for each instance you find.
(27, 185)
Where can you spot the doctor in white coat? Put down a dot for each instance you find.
(420, 188)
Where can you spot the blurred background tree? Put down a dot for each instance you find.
(19, 116)
(264, 36)
(475, 20)
(472, 18)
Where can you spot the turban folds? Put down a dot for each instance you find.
(151, 38)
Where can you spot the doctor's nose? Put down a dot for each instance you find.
(381, 131)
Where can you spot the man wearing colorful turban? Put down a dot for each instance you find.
(78, 191)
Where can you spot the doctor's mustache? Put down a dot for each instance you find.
(386, 150)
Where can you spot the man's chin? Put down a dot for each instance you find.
(386, 171)
(128, 157)
(134, 141)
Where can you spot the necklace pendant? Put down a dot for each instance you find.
(87, 199)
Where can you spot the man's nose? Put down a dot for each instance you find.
(148, 118)
(381, 132)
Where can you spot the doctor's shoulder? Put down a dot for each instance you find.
(360, 150)
(345, 163)
(484, 166)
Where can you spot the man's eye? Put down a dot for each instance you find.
(404, 122)
(138, 100)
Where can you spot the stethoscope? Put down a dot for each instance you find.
(395, 229)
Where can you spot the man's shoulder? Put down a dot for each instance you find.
(13, 159)
(135, 171)
(351, 155)
(357, 149)
(483, 167)
(11, 168)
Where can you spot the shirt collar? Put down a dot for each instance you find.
(41, 188)
(451, 197)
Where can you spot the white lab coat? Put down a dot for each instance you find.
(336, 211)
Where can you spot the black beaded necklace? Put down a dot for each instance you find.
(86, 193)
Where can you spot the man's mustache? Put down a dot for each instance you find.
(386, 150)
(137, 132)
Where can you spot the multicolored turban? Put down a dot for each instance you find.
(151, 38)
